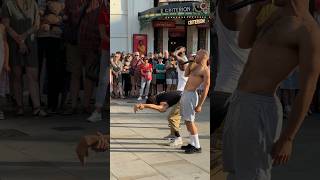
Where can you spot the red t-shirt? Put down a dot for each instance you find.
(104, 19)
(146, 71)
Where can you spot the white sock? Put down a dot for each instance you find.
(192, 140)
(196, 140)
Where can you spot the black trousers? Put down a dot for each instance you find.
(51, 49)
(126, 80)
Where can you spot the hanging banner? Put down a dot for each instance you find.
(140, 43)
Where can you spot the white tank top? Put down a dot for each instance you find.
(182, 80)
(231, 59)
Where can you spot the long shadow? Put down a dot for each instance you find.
(200, 137)
(51, 164)
(161, 128)
(139, 149)
(141, 123)
(137, 138)
(126, 151)
(161, 144)
(74, 139)
(140, 113)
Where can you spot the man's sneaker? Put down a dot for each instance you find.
(40, 113)
(95, 117)
(186, 147)
(176, 142)
(192, 150)
(170, 136)
(140, 98)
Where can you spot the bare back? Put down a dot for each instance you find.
(275, 53)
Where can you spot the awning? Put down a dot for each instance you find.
(189, 10)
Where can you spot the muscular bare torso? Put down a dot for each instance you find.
(196, 77)
(274, 55)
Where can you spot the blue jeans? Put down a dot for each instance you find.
(145, 84)
(103, 79)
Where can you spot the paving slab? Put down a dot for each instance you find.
(138, 150)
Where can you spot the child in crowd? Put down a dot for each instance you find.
(4, 66)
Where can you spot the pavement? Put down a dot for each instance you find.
(305, 160)
(44, 149)
(139, 152)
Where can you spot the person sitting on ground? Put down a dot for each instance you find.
(162, 102)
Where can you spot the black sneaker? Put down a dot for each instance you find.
(186, 147)
(193, 150)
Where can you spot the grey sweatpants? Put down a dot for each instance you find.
(253, 123)
(188, 103)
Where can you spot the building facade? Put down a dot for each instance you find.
(166, 23)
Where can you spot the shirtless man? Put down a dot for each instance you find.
(198, 73)
(288, 39)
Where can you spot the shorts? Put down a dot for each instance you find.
(188, 103)
(253, 123)
(171, 81)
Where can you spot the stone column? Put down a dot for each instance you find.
(192, 39)
(165, 39)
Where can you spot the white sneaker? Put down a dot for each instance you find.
(170, 136)
(95, 117)
(140, 98)
(146, 97)
(176, 142)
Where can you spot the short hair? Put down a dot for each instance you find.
(205, 52)
(118, 52)
(151, 100)
(179, 47)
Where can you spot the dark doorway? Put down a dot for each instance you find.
(175, 42)
(177, 37)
